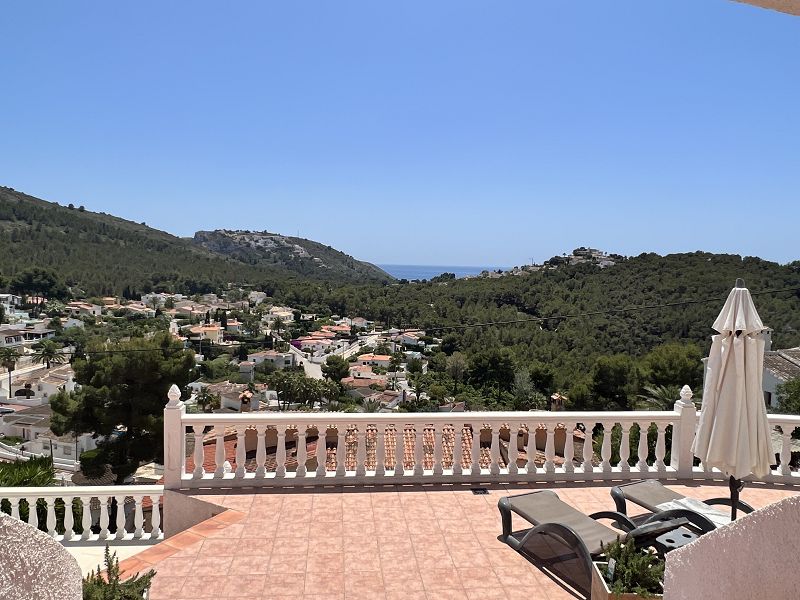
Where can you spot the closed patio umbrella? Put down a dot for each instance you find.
(733, 434)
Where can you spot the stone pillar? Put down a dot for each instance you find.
(683, 430)
(174, 443)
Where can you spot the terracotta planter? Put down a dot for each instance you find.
(600, 589)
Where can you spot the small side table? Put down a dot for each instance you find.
(676, 538)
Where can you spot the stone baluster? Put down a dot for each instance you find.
(341, 449)
(86, 517)
(33, 514)
(458, 447)
(138, 518)
(69, 521)
(438, 467)
(588, 451)
(198, 452)
(280, 451)
(241, 453)
(399, 448)
(786, 449)
(50, 522)
(302, 457)
(361, 450)
(494, 451)
(550, 449)
(661, 446)
(475, 466)
(15, 507)
(642, 450)
(219, 450)
(569, 447)
(513, 441)
(322, 450)
(419, 455)
(155, 516)
(120, 520)
(625, 448)
(380, 450)
(683, 430)
(605, 449)
(530, 449)
(261, 450)
(103, 517)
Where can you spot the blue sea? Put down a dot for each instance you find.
(427, 271)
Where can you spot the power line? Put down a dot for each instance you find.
(609, 312)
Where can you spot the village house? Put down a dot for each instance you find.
(32, 424)
(10, 301)
(212, 333)
(256, 298)
(281, 360)
(375, 360)
(83, 309)
(780, 366)
(35, 387)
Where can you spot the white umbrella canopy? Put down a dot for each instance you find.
(734, 434)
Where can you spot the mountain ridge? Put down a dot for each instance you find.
(103, 254)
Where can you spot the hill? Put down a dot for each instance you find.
(103, 254)
(304, 257)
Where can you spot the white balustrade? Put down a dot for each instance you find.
(373, 456)
(83, 512)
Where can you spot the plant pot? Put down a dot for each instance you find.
(600, 589)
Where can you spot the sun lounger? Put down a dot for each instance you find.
(655, 497)
(582, 533)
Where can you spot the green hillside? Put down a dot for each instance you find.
(102, 254)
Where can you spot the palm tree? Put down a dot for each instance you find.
(8, 359)
(48, 352)
(659, 397)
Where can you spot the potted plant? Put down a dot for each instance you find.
(629, 573)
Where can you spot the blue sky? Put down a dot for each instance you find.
(417, 132)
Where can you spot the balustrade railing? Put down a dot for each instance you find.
(312, 448)
(93, 513)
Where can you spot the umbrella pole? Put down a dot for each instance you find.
(735, 486)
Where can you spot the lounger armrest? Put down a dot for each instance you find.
(622, 520)
(741, 505)
(702, 522)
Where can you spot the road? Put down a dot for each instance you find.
(312, 370)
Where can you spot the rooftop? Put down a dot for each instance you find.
(387, 542)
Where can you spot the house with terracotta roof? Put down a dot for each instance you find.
(780, 366)
(281, 360)
(375, 360)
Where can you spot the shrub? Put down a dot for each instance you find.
(636, 571)
(96, 586)
(93, 462)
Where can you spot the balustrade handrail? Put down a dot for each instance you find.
(435, 417)
(81, 490)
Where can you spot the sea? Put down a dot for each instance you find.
(427, 271)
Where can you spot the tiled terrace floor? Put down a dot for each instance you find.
(390, 542)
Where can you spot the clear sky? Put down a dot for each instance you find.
(453, 133)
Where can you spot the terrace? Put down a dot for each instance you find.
(249, 511)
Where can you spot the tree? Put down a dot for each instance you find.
(8, 360)
(615, 380)
(526, 396)
(335, 368)
(38, 282)
(674, 364)
(125, 384)
(207, 400)
(659, 397)
(414, 365)
(456, 368)
(48, 352)
(450, 343)
(789, 397)
(492, 366)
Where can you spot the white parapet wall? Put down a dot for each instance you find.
(759, 560)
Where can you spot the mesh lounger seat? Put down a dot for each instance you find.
(582, 533)
(655, 497)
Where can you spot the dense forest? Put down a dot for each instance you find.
(100, 254)
(571, 346)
